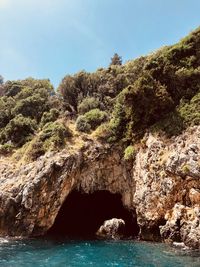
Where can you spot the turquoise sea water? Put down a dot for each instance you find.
(45, 253)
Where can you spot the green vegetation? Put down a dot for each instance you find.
(129, 153)
(52, 137)
(186, 169)
(87, 104)
(18, 130)
(90, 120)
(160, 92)
(50, 116)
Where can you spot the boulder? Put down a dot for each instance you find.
(112, 229)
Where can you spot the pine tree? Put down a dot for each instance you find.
(116, 60)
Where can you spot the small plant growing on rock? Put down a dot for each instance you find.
(129, 153)
(185, 169)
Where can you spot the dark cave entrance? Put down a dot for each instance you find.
(82, 214)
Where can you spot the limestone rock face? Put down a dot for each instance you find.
(183, 223)
(112, 229)
(162, 184)
(166, 172)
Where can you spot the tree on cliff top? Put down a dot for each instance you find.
(116, 60)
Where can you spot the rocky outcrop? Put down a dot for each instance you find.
(182, 224)
(161, 184)
(112, 229)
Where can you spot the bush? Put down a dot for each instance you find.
(95, 117)
(33, 106)
(50, 116)
(54, 134)
(18, 130)
(172, 124)
(87, 104)
(103, 132)
(82, 124)
(190, 111)
(129, 153)
(90, 120)
(6, 105)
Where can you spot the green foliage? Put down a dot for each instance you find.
(166, 77)
(12, 88)
(52, 137)
(33, 106)
(18, 130)
(95, 117)
(69, 91)
(21, 106)
(103, 85)
(171, 124)
(159, 91)
(129, 153)
(118, 121)
(50, 116)
(6, 106)
(139, 106)
(104, 132)
(87, 104)
(90, 120)
(187, 113)
(190, 111)
(54, 134)
(82, 124)
(185, 169)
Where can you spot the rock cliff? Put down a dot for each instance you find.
(161, 185)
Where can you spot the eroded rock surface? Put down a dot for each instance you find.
(162, 184)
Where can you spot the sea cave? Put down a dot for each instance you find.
(82, 214)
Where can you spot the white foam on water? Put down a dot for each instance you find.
(3, 240)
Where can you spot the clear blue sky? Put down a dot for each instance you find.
(52, 38)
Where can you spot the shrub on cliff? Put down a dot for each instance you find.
(187, 113)
(82, 124)
(103, 132)
(18, 130)
(6, 106)
(190, 110)
(32, 106)
(90, 120)
(50, 116)
(54, 134)
(87, 104)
